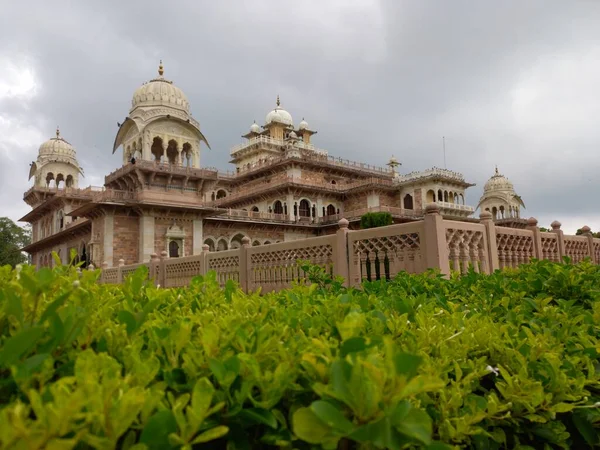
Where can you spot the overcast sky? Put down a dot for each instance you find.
(512, 83)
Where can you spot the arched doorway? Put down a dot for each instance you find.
(173, 249)
(304, 208)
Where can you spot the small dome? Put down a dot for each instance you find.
(57, 146)
(279, 115)
(254, 128)
(303, 125)
(498, 182)
(160, 92)
(293, 135)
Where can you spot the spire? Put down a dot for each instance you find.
(278, 102)
(57, 132)
(497, 173)
(161, 69)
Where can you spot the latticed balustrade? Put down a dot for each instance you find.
(276, 266)
(467, 247)
(373, 254)
(381, 253)
(514, 246)
(577, 248)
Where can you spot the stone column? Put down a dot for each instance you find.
(196, 155)
(290, 206)
(146, 238)
(108, 245)
(587, 232)
(436, 252)
(197, 237)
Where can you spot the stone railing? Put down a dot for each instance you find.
(374, 254)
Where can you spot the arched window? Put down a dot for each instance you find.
(255, 244)
(60, 220)
(186, 153)
(172, 152)
(69, 181)
(49, 179)
(330, 210)
(277, 207)
(60, 181)
(333, 182)
(236, 241)
(222, 245)
(495, 212)
(304, 208)
(501, 212)
(440, 196)
(446, 196)
(173, 249)
(157, 148)
(210, 243)
(221, 193)
(254, 209)
(430, 196)
(408, 201)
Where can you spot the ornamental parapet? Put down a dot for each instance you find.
(433, 172)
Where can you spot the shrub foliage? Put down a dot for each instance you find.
(375, 219)
(508, 360)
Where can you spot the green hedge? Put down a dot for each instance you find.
(483, 362)
(375, 219)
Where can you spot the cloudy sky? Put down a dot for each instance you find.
(512, 83)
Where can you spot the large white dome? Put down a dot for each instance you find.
(498, 183)
(160, 92)
(279, 115)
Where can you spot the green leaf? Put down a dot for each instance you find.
(258, 415)
(19, 345)
(211, 435)
(407, 364)
(52, 307)
(202, 397)
(128, 319)
(332, 416)
(308, 427)
(416, 425)
(380, 433)
(585, 428)
(157, 429)
(353, 345)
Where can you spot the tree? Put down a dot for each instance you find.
(375, 219)
(579, 232)
(12, 239)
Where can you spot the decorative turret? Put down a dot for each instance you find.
(500, 199)
(304, 131)
(278, 122)
(159, 126)
(56, 164)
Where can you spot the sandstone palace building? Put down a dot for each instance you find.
(282, 188)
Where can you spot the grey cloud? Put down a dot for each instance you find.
(374, 78)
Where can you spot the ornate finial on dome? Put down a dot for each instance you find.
(278, 102)
(161, 69)
(497, 173)
(57, 132)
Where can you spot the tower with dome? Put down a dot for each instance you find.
(500, 199)
(161, 199)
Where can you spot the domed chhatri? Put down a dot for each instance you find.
(160, 92)
(255, 128)
(279, 115)
(303, 125)
(56, 164)
(57, 146)
(498, 182)
(500, 199)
